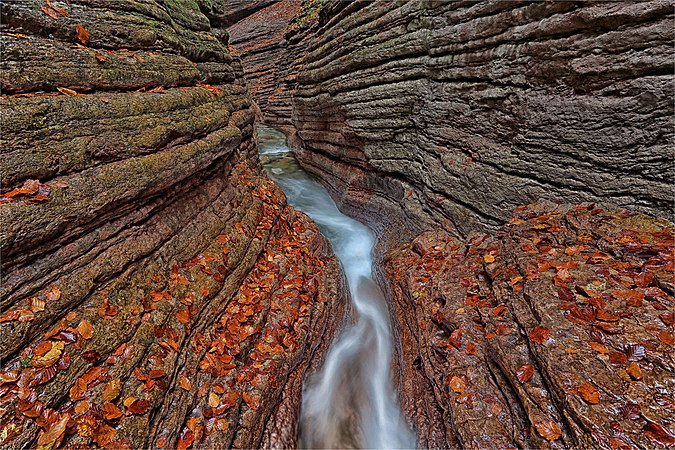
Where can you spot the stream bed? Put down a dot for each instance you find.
(350, 402)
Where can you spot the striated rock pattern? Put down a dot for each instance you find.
(272, 42)
(557, 332)
(450, 114)
(157, 291)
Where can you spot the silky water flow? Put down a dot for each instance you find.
(350, 402)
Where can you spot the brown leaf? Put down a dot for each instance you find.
(37, 304)
(630, 411)
(214, 400)
(525, 372)
(185, 383)
(186, 440)
(618, 358)
(82, 34)
(111, 412)
(635, 352)
(251, 401)
(600, 348)
(104, 435)
(589, 393)
(111, 390)
(659, 435)
(49, 11)
(634, 371)
(78, 389)
(540, 334)
(85, 329)
(666, 338)
(183, 316)
(29, 187)
(140, 407)
(548, 430)
(50, 357)
(54, 432)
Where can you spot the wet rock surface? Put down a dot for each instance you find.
(157, 290)
(556, 332)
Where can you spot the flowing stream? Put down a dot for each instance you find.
(350, 402)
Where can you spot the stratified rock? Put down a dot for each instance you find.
(450, 114)
(157, 289)
(557, 332)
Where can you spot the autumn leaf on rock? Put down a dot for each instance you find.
(85, 329)
(634, 371)
(186, 440)
(457, 384)
(251, 401)
(111, 390)
(525, 372)
(589, 393)
(50, 357)
(82, 34)
(185, 383)
(140, 406)
(540, 334)
(111, 412)
(488, 258)
(548, 430)
(658, 434)
(53, 433)
(68, 92)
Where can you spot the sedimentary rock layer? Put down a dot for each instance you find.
(557, 332)
(157, 290)
(451, 114)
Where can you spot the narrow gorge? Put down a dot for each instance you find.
(500, 272)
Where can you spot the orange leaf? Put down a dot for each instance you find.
(111, 412)
(185, 383)
(488, 258)
(589, 393)
(251, 401)
(111, 390)
(634, 371)
(82, 34)
(214, 400)
(68, 92)
(54, 432)
(548, 430)
(457, 384)
(525, 372)
(78, 389)
(54, 294)
(85, 329)
(540, 334)
(183, 316)
(666, 338)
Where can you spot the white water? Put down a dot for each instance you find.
(351, 401)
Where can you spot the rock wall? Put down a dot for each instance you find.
(157, 291)
(450, 114)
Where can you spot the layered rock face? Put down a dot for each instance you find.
(556, 332)
(450, 114)
(272, 42)
(432, 120)
(157, 290)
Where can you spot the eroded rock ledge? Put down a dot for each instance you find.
(157, 290)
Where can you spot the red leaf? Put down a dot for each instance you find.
(659, 435)
(589, 393)
(540, 334)
(140, 406)
(82, 34)
(525, 372)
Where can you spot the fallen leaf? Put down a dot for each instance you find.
(251, 401)
(104, 435)
(37, 304)
(666, 338)
(50, 357)
(548, 430)
(589, 393)
(85, 329)
(54, 432)
(111, 390)
(185, 383)
(111, 411)
(659, 435)
(82, 34)
(488, 258)
(140, 407)
(68, 92)
(600, 348)
(214, 400)
(457, 384)
(186, 440)
(634, 371)
(540, 334)
(525, 372)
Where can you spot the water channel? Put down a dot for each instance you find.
(351, 401)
